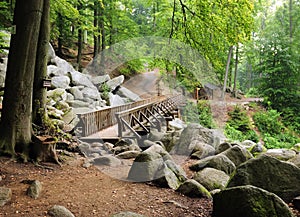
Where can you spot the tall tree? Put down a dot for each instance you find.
(16, 120)
(39, 114)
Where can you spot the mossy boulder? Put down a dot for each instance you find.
(212, 178)
(146, 166)
(295, 160)
(248, 201)
(238, 154)
(270, 174)
(192, 188)
(219, 162)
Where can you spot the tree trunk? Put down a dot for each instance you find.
(103, 43)
(291, 19)
(226, 73)
(79, 40)
(235, 70)
(39, 92)
(16, 120)
(96, 19)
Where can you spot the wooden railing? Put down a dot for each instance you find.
(148, 115)
(95, 121)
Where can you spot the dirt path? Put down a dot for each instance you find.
(89, 192)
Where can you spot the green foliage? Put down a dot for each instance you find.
(275, 134)
(239, 127)
(199, 113)
(132, 67)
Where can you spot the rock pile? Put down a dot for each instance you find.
(73, 92)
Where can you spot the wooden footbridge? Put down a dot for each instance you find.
(131, 120)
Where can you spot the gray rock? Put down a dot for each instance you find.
(70, 97)
(79, 79)
(219, 162)
(60, 211)
(295, 160)
(107, 161)
(126, 93)
(53, 70)
(192, 188)
(177, 170)
(5, 195)
(145, 167)
(201, 150)
(115, 100)
(270, 174)
(91, 93)
(212, 178)
(57, 94)
(62, 64)
(223, 147)
(248, 143)
(248, 201)
(80, 110)
(60, 82)
(76, 92)
(115, 82)
(128, 154)
(177, 124)
(34, 189)
(160, 150)
(167, 178)
(190, 133)
(281, 154)
(257, 149)
(238, 154)
(97, 80)
(155, 135)
(127, 214)
(79, 104)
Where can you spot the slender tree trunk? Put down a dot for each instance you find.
(103, 41)
(96, 24)
(79, 40)
(226, 73)
(39, 92)
(235, 70)
(16, 120)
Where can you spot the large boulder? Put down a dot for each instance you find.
(115, 82)
(91, 93)
(97, 80)
(57, 94)
(60, 82)
(79, 79)
(192, 188)
(167, 178)
(76, 92)
(201, 150)
(270, 174)
(53, 70)
(212, 178)
(238, 154)
(248, 201)
(219, 162)
(196, 132)
(126, 93)
(62, 64)
(115, 100)
(281, 154)
(146, 166)
(51, 53)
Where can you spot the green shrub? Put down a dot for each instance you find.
(239, 127)
(274, 133)
(199, 113)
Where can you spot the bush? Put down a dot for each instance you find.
(238, 126)
(199, 113)
(274, 133)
